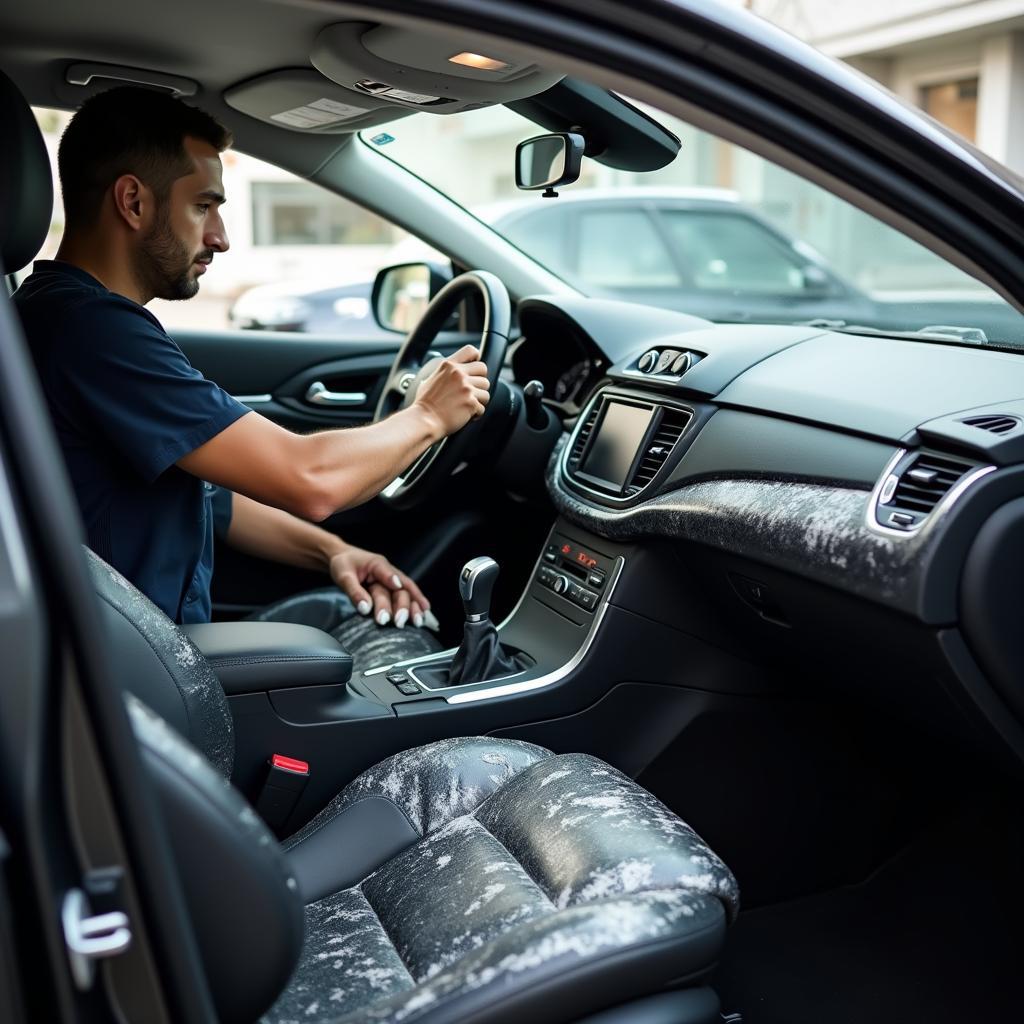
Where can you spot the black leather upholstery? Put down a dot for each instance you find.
(26, 182)
(480, 655)
(472, 879)
(540, 885)
(241, 894)
(253, 656)
(163, 667)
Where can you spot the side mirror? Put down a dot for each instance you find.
(546, 161)
(816, 282)
(402, 293)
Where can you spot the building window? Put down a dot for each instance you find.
(954, 104)
(298, 213)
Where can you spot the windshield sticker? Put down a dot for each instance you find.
(383, 139)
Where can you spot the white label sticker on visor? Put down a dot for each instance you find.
(317, 114)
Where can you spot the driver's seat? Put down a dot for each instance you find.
(472, 879)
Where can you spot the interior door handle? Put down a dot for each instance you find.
(317, 394)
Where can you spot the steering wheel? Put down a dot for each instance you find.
(415, 362)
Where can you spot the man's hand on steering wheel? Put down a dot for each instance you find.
(456, 392)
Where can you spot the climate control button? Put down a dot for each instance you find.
(560, 584)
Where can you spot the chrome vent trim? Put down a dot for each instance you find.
(915, 487)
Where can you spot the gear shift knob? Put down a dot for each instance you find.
(476, 581)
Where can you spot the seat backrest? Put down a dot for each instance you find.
(163, 668)
(26, 181)
(245, 905)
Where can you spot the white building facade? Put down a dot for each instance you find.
(962, 61)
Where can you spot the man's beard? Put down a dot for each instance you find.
(165, 263)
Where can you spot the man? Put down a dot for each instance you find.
(142, 430)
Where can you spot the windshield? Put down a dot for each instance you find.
(719, 232)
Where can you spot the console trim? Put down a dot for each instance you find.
(526, 685)
(451, 651)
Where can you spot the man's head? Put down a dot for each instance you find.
(141, 171)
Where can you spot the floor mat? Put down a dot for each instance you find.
(936, 935)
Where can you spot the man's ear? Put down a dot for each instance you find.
(132, 201)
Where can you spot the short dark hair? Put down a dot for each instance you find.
(128, 130)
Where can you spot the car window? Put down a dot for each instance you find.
(621, 249)
(819, 257)
(724, 252)
(543, 233)
(301, 258)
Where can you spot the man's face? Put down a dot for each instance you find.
(187, 228)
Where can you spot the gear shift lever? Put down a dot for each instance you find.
(476, 583)
(480, 656)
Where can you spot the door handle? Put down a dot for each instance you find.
(317, 394)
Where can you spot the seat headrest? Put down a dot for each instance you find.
(26, 181)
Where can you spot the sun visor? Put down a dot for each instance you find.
(302, 100)
(419, 71)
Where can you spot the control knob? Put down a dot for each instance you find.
(648, 361)
(560, 584)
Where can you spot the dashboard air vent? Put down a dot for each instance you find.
(993, 424)
(582, 436)
(670, 429)
(912, 493)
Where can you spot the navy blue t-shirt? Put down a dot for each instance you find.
(127, 404)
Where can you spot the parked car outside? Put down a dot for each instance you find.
(697, 250)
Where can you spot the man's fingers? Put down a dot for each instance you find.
(357, 594)
(415, 593)
(381, 604)
(466, 354)
(400, 602)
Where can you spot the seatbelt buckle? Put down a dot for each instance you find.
(286, 779)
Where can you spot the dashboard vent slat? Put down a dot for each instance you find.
(659, 448)
(582, 436)
(920, 486)
(993, 424)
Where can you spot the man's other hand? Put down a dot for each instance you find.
(375, 586)
(456, 392)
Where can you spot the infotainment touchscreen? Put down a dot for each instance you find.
(614, 447)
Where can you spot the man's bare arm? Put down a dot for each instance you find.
(315, 475)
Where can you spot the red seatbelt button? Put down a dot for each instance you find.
(290, 764)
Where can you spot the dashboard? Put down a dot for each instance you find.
(842, 500)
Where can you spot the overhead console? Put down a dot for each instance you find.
(368, 74)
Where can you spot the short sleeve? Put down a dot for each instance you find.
(220, 504)
(139, 390)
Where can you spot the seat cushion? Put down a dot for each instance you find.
(530, 883)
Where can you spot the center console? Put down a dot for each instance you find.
(547, 633)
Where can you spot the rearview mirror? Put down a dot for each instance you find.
(546, 161)
(402, 293)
